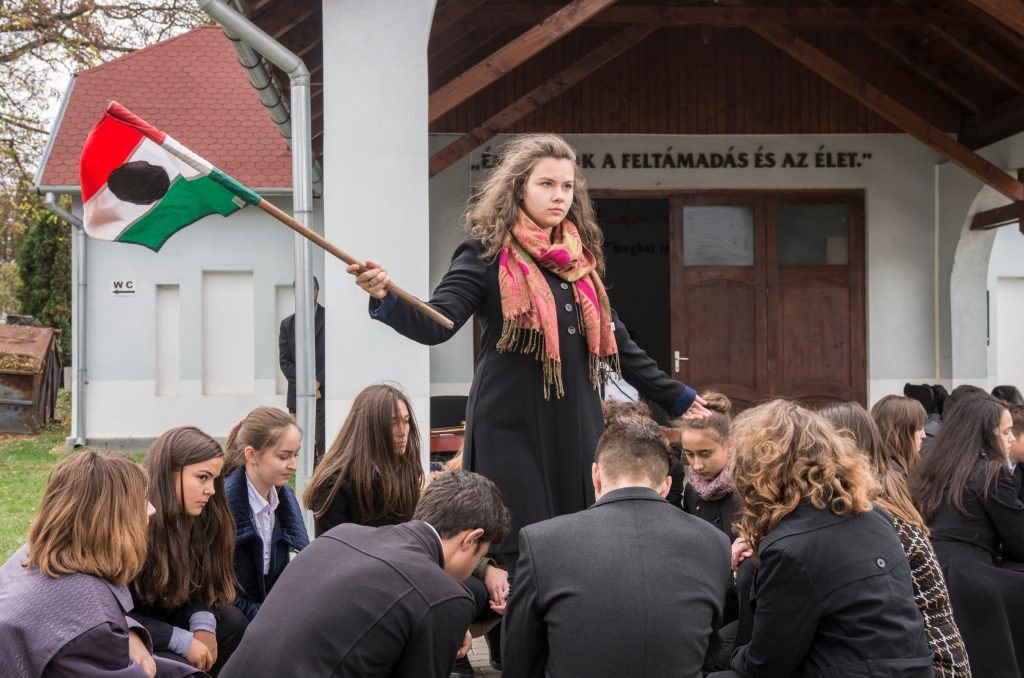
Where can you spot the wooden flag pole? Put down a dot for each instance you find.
(328, 246)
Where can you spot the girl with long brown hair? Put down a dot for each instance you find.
(964, 489)
(531, 271)
(889, 453)
(63, 596)
(184, 592)
(261, 454)
(372, 473)
(832, 592)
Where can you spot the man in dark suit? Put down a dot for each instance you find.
(376, 602)
(631, 586)
(286, 346)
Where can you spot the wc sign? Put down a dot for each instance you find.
(122, 288)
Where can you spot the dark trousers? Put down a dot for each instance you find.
(231, 623)
(321, 431)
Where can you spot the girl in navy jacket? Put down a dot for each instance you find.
(262, 450)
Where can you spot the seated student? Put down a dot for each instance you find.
(386, 601)
(1016, 455)
(965, 491)
(184, 592)
(260, 457)
(620, 589)
(372, 474)
(709, 495)
(833, 594)
(891, 447)
(63, 596)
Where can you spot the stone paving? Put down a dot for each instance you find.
(480, 659)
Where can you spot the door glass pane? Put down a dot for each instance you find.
(814, 235)
(718, 235)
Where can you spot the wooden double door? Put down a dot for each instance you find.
(767, 295)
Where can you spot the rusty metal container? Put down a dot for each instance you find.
(30, 367)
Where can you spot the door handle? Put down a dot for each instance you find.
(678, 358)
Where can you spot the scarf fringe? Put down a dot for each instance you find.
(531, 342)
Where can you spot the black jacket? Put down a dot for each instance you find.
(345, 509)
(289, 535)
(981, 556)
(721, 513)
(360, 601)
(833, 596)
(286, 348)
(629, 587)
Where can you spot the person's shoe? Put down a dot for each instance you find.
(496, 664)
(462, 668)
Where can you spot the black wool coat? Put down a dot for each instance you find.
(981, 558)
(286, 349)
(833, 596)
(722, 512)
(538, 451)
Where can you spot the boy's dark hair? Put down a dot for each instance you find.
(462, 500)
(634, 446)
(1009, 394)
(960, 394)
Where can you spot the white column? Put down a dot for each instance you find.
(375, 190)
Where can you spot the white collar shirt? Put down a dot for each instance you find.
(263, 517)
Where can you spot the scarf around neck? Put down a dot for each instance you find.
(714, 489)
(528, 307)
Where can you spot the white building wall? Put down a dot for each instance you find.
(896, 176)
(375, 189)
(126, 404)
(965, 271)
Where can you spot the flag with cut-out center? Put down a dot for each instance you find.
(141, 186)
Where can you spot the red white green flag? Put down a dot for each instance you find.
(141, 186)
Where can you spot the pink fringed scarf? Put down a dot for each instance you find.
(714, 489)
(528, 307)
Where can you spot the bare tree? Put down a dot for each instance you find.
(42, 42)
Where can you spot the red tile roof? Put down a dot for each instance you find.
(191, 87)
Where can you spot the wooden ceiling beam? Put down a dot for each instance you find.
(916, 61)
(899, 115)
(980, 53)
(469, 48)
(949, 83)
(514, 53)
(834, 17)
(296, 21)
(452, 13)
(1004, 120)
(1010, 13)
(539, 96)
(1000, 216)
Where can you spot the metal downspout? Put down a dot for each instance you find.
(302, 209)
(77, 437)
(270, 97)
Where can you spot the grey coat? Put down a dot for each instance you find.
(631, 586)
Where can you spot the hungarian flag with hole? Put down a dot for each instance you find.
(141, 186)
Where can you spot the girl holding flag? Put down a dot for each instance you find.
(530, 271)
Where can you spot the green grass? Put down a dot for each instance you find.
(25, 464)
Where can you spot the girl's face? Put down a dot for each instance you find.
(704, 453)
(194, 484)
(919, 438)
(547, 194)
(274, 465)
(1005, 432)
(1017, 449)
(400, 426)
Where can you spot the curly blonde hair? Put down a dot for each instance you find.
(786, 454)
(494, 207)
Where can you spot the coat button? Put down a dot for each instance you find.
(565, 286)
(880, 563)
(568, 307)
(571, 330)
